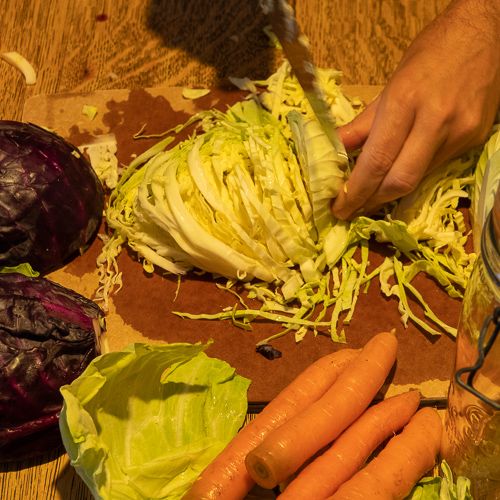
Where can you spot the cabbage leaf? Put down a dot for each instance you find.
(123, 422)
(486, 183)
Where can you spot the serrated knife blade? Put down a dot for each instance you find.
(295, 47)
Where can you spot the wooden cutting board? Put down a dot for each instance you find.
(142, 310)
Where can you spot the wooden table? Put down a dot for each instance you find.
(84, 45)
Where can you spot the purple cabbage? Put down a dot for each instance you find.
(51, 201)
(48, 336)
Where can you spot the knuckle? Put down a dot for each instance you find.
(401, 183)
(379, 161)
(401, 88)
(472, 128)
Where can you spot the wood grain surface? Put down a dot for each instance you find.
(85, 45)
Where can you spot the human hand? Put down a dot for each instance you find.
(441, 101)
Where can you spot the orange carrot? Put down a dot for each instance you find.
(286, 448)
(405, 459)
(353, 447)
(226, 477)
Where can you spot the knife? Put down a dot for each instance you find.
(295, 48)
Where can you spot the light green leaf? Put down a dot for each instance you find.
(144, 422)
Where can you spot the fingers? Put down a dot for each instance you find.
(354, 133)
(410, 166)
(391, 126)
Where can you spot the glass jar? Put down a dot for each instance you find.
(471, 438)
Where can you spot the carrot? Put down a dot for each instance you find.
(353, 447)
(404, 460)
(226, 477)
(286, 448)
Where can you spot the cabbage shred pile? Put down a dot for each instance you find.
(247, 198)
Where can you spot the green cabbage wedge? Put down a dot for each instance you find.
(247, 198)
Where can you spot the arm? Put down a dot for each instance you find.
(441, 101)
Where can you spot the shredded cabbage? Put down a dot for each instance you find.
(441, 487)
(247, 197)
(189, 93)
(102, 156)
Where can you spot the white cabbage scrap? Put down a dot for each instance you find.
(22, 64)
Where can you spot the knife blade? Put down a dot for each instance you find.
(295, 47)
